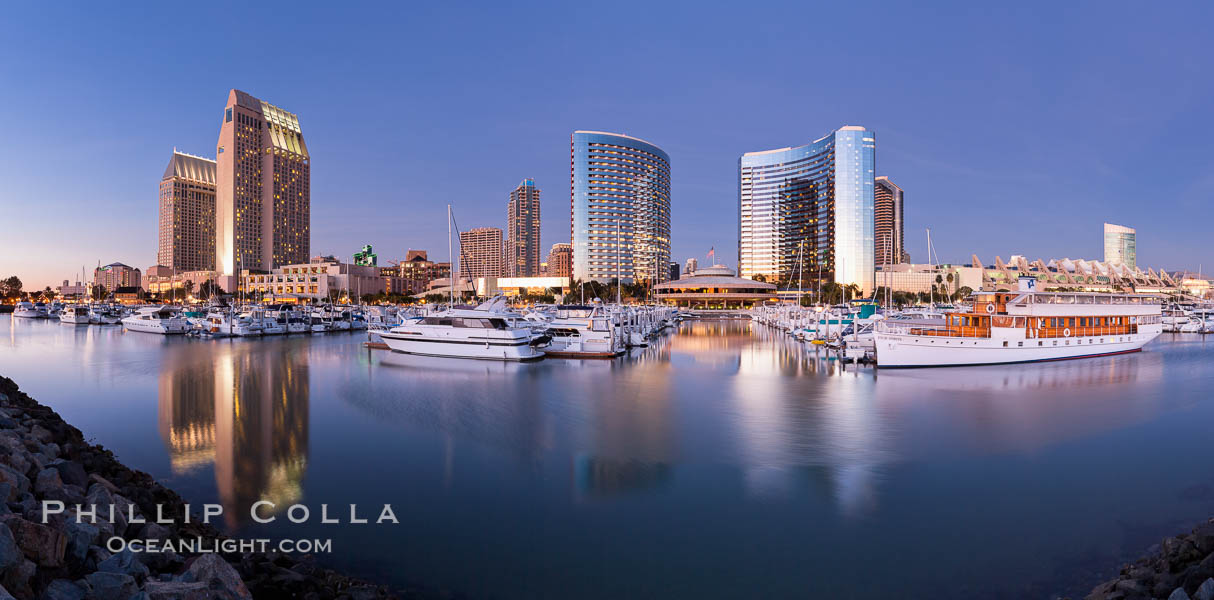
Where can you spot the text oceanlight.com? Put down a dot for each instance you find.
(117, 544)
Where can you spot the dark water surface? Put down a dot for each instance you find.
(725, 461)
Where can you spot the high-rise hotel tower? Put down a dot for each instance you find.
(619, 189)
(523, 231)
(187, 214)
(890, 232)
(809, 209)
(1120, 245)
(262, 188)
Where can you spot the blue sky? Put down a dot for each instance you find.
(1013, 129)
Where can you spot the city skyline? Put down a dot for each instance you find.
(958, 129)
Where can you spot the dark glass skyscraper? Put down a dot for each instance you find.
(809, 208)
(619, 189)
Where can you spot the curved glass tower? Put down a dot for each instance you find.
(809, 210)
(619, 189)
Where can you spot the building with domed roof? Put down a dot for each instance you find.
(714, 287)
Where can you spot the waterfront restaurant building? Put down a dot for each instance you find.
(714, 287)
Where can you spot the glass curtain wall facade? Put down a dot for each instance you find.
(1120, 246)
(619, 187)
(808, 210)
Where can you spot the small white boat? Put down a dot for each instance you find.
(76, 314)
(104, 315)
(162, 320)
(574, 334)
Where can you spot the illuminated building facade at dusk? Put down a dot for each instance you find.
(810, 209)
(263, 195)
(620, 189)
(187, 214)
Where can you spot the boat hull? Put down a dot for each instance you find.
(154, 327)
(900, 351)
(493, 350)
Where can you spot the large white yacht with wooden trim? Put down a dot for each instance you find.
(1024, 326)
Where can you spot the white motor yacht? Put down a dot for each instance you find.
(465, 333)
(163, 320)
(76, 314)
(29, 310)
(578, 333)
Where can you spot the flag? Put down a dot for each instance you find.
(712, 251)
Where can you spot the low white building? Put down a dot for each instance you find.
(322, 278)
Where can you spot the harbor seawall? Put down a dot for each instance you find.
(1181, 568)
(44, 458)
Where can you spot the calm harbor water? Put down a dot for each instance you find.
(725, 461)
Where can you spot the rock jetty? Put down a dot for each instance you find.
(44, 458)
(1181, 569)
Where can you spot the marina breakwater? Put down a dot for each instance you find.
(1181, 568)
(46, 555)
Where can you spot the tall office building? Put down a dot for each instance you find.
(480, 253)
(187, 214)
(262, 188)
(889, 239)
(1120, 245)
(619, 190)
(523, 231)
(560, 261)
(691, 266)
(809, 209)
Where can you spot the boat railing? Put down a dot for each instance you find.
(933, 330)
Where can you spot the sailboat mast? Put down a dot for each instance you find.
(450, 260)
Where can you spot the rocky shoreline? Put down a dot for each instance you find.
(1181, 568)
(42, 458)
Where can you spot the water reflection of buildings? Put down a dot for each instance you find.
(596, 475)
(794, 430)
(247, 414)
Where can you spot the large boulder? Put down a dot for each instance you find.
(177, 590)
(10, 553)
(48, 482)
(79, 537)
(41, 544)
(111, 586)
(20, 483)
(1205, 591)
(17, 579)
(220, 577)
(124, 562)
(62, 589)
(71, 472)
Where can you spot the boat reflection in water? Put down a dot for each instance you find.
(245, 416)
